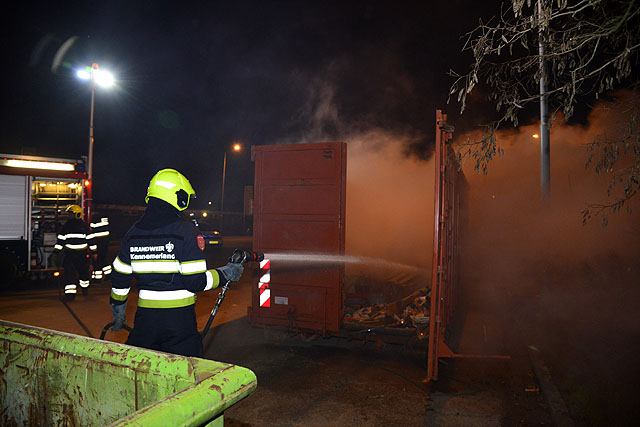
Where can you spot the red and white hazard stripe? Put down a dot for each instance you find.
(265, 283)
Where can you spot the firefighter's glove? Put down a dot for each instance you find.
(231, 272)
(119, 316)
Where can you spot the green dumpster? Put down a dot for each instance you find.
(59, 379)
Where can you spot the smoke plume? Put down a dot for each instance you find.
(564, 287)
(389, 200)
(511, 230)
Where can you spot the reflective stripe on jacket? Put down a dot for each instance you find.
(166, 260)
(74, 236)
(100, 229)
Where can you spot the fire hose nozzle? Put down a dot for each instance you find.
(240, 256)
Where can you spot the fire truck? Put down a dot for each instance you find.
(34, 193)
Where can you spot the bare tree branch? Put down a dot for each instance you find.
(592, 47)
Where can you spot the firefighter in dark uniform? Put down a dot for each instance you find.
(99, 242)
(165, 253)
(73, 244)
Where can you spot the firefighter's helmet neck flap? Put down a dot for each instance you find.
(172, 187)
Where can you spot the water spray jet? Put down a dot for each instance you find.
(332, 259)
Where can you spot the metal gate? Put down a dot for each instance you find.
(449, 185)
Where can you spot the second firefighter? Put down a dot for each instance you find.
(73, 246)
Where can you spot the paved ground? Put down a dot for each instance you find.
(328, 381)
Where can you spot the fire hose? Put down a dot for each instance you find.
(239, 257)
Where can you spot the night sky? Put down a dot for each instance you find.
(194, 77)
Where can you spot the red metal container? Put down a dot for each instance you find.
(299, 200)
(300, 208)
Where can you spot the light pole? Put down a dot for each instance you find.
(545, 162)
(236, 147)
(104, 79)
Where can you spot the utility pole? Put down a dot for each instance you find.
(104, 79)
(545, 162)
(89, 187)
(236, 147)
(224, 173)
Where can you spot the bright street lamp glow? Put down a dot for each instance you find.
(236, 147)
(100, 77)
(84, 74)
(103, 78)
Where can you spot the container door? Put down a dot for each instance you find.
(13, 215)
(299, 209)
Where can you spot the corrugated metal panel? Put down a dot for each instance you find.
(13, 205)
(300, 207)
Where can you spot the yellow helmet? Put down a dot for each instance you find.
(172, 187)
(75, 210)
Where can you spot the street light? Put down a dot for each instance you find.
(236, 147)
(104, 79)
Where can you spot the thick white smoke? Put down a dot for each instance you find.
(389, 200)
